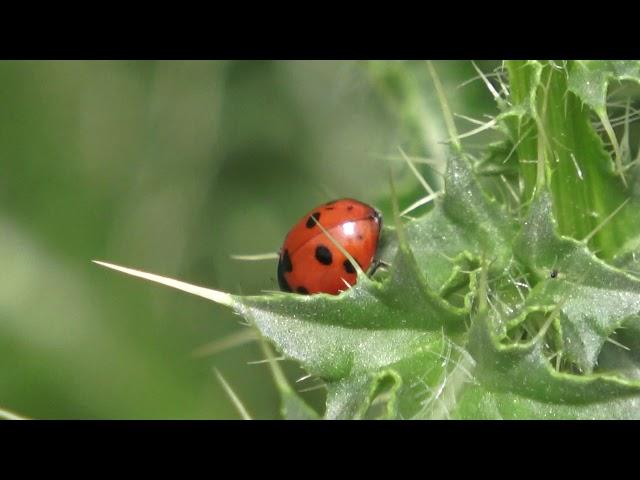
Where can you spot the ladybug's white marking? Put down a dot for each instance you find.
(349, 228)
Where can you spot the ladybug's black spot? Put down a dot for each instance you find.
(360, 237)
(302, 290)
(284, 265)
(350, 207)
(328, 208)
(348, 266)
(310, 223)
(286, 262)
(323, 255)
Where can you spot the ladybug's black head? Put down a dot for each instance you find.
(377, 216)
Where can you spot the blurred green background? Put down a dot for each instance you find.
(170, 167)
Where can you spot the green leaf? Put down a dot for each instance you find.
(292, 406)
(464, 225)
(522, 369)
(478, 403)
(351, 337)
(595, 298)
(621, 353)
(586, 300)
(589, 79)
(629, 262)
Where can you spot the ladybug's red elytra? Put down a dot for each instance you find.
(311, 263)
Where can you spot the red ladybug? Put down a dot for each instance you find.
(311, 263)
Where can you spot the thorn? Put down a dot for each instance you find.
(419, 203)
(510, 188)
(517, 144)
(210, 294)
(7, 415)
(266, 360)
(618, 344)
(256, 257)
(477, 77)
(496, 95)
(604, 222)
(446, 112)
(614, 142)
(315, 387)
(475, 131)
(231, 341)
(415, 171)
(575, 164)
(469, 119)
(234, 399)
(303, 378)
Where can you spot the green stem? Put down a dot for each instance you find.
(522, 77)
(570, 156)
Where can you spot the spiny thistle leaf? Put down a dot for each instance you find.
(596, 298)
(478, 403)
(292, 406)
(522, 369)
(463, 225)
(589, 79)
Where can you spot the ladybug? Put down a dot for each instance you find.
(310, 262)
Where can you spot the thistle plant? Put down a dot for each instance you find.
(513, 286)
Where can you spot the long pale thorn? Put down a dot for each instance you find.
(210, 294)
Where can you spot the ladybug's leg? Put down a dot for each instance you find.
(375, 265)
